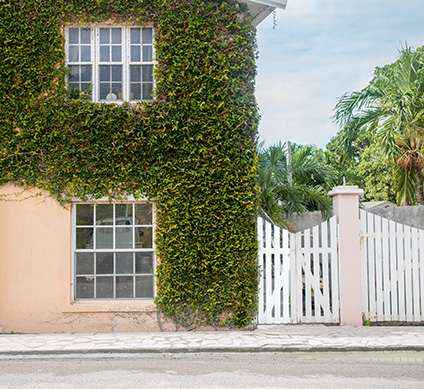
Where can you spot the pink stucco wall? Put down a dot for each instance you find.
(36, 274)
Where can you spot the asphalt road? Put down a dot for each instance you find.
(215, 370)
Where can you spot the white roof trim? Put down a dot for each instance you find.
(260, 9)
(272, 3)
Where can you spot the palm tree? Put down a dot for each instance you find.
(293, 187)
(392, 107)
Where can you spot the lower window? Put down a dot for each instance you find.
(113, 251)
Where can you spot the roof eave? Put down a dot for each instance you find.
(260, 9)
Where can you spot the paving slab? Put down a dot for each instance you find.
(283, 338)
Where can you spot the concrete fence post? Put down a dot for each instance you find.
(346, 209)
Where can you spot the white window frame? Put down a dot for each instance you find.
(125, 60)
(113, 250)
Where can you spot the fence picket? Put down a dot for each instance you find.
(334, 265)
(307, 271)
(277, 273)
(261, 301)
(421, 267)
(268, 272)
(415, 275)
(393, 272)
(324, 267)
(285, 257)
(385, 258)
(372, 283)
(364, 262)
(400, 243)
(408, 273)
(378, 269)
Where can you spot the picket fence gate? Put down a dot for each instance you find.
(299, 280)
(392, 270)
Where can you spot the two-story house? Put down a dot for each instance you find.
(152, 103)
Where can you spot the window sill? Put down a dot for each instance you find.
(109, 306)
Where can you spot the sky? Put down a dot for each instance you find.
(318, 51)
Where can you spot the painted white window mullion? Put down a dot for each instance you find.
(73, 249)
(153, 60)
(125, 59)
(114, 228)
(154, 245)
(94, 53)
(94, 255)
(67, 45)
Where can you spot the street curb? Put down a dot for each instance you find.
(216, 350)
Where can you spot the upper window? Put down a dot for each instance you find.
(113, 251)
(110, 64)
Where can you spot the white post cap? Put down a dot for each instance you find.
(346, 190)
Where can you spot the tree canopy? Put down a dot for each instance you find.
(294, 179)
(388, 112)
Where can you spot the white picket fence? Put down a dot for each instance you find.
(299, 280)
(392, 270)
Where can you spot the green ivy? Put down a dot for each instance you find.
(192, 148)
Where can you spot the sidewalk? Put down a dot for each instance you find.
(286, 338)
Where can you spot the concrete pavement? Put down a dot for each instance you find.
(283, 338)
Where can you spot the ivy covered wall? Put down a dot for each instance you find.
(192, 148)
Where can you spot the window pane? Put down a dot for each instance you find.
(135, 54)
(124, 286)
(104, 91)
(84, 214)
(104, 238)
(135, 35)
(85, 53)
(147, 91)
(143, 237)
(84, 238)
(135, 74)
(135, 92)
(124, 263)
(73, 53)
(144, 263)
(104, 214)
(104, 35)
(74, 88)
(117, 90)
(86, 73)
(86, 87)
(143, 214)
(104, 287)
(124, 238)
(116, 53)
(85, 35)
(104, 54)
(74, 76)
(84, 263)
(84, 288)
(104, 263)
(116, 73)
(124, 214)
(73, 35)
(147, 53)
(148, 73)
(147, 35)
(144, 286)
(116, 35)
(104, 72)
